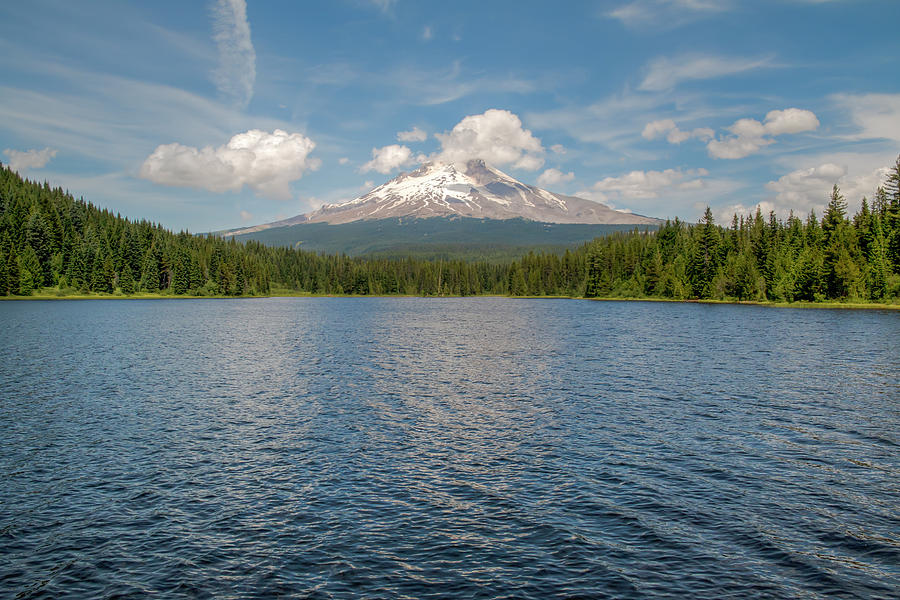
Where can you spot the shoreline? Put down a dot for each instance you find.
(288, 294)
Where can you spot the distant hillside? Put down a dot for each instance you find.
(436, 237)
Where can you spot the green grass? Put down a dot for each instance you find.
(282, 292)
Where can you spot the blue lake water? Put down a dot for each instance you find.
(419, 448)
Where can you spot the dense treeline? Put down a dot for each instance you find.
(761, 258)
(48, 239)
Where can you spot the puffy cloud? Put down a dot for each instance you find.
(749, 135)
(246, 217)
(558, 149)
(266, 162)
(667, 127)
(236, 73)
(413, 135)
(876, 115)
(649, 184)
(665, 73)
(343, 160)
(386, 159)
(554, 176)
(29, 159)
(790, 120)
(805, 189)
(497, 136)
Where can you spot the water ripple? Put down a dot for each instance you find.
(483, 448)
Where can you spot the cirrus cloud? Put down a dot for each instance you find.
(497, 136)
(666, 73)
(236, 73)
(265, 162)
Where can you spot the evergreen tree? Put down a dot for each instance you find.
(12, 273)
(834, 214)
(30, 273)
(126, 280)
(4, 286)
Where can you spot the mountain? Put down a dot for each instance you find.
(478, 191)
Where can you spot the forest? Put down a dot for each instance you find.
(55, 245)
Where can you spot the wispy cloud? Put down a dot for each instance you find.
(664, 73)
(413, 135)
(236, 74)
(383, 5)
(666, 14)
(876, 115)
(29, 159)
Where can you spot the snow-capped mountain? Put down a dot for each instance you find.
(479, 191)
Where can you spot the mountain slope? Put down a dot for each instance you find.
(477, 191)
(459, 237)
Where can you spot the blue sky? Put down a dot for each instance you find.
(211, 115)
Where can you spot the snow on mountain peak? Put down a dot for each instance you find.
(474, 189)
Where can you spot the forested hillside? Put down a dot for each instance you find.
(53, 243)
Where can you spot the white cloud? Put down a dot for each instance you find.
(790, 120)
(724, 214)
(386, 159)
(427, 33)
(413, 135)
(343, 160)
(749, 136)
(497, 136)
(554, 176)
(29, 159)
(266, 162)
(236, 73)
(558, 149)
(649, 184)
(876, 115)
(667, 127)
(666, 14)
(246, 217)
(383, 5)
(806, 189)
(665, 73)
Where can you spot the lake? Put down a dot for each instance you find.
(425, 448)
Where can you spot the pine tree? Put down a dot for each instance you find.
(30, 273)
(4, 286)
(12, 273)
(834, 214)
(126, 280)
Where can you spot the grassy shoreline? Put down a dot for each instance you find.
(52, 294)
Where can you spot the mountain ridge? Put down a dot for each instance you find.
(478, 191)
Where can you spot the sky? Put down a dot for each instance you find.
(212, 115)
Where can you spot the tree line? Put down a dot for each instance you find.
(50, 240)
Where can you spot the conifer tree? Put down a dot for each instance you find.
(126, 280)
(30, 273)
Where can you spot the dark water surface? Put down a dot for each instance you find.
(416, 448)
